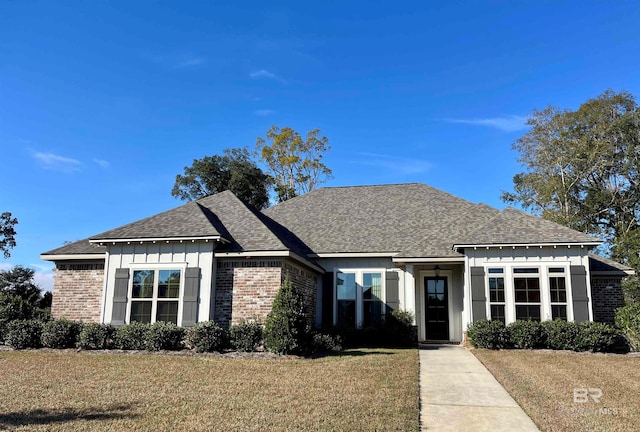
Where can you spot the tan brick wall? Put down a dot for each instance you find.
(607, 296)
(246, 289)
(77, 290)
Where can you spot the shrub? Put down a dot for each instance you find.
(61, 333)
(246, 336)
(488, 334)
(286, 330)
(597, 337)
(562, 335)
(628, 321)
(13, 307)
(398, 329)
(164, 336)
(325, 342)
(132, 336)
(526, 334)
(23, 334)
(207, 337)
(96, 336)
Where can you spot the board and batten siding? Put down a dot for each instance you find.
(507, 256)
(185, 254)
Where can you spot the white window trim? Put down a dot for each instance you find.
(502, 275)
(543, 277)
(359, 299)
(154, 300)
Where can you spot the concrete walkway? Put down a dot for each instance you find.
(457, 393)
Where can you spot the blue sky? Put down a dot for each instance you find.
(102, 103)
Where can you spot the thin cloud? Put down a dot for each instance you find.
(264, 112)
(191, 61)
(265, 74)
(400, 165)
(103, 163)
(510, 123)
(182, 60)
(43, 276)
(54, 162)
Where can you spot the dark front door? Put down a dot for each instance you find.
(437, 308)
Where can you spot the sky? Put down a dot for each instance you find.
(103, 103)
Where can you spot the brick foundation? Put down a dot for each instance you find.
(77, 290)
(607, 296)
(246, 289)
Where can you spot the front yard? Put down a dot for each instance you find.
(543, 383)
(368, 389)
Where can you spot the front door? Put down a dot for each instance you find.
(437, 308)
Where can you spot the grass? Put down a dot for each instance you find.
(356, 390)
(543, 382)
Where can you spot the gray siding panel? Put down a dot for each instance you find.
(579, 293)
(392, 280)
(120, 291)
(327, 299)
(478, 296)
(191, 296)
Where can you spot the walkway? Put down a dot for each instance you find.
(457, 393)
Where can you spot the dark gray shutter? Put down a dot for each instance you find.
(120, 291)
(579, 293)
(327, 299)
(190, 296)
(478, 294)
(392, 280)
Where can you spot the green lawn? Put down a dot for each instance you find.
(543, 383)
(372, 389)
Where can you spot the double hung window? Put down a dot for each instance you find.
(358, 295)
(155, 296)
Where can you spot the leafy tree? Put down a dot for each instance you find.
(7, 233)
(18, 281)
(285, 329)
(295, 165)
(234, 171)
(582, 170)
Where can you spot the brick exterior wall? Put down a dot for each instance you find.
(607, 296)
(246, 289)
(77, 290)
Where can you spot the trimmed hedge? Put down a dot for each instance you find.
(61, 333)
(164, 336)
(246, 336)
(285, 329)
(96, 336)
(628, 320)
(207, 337)
(23, 334)
(557, 335)
(132, 336)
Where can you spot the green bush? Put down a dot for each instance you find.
(23, 334)
(526, 334)
(326, 342)
(132, 336)
(12, 308)
(488, 334)
(562, 335)
(164, 336)
(96, 336)
(597, 337)
(246, 335)
(286, 330)
(628, 321)
(61, 333)
(207, 337)
(398, 330)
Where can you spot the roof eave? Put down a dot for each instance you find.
(527, 245)
(68, 257)
(158, 239)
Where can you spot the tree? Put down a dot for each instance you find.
(18, 281)
(583, 170)
(233, 171)
(7, 233)
(285, 329)
(295, 165)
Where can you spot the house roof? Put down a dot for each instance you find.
(602, 265)
(401, 220)
(77, 249)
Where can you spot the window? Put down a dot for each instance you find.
(496, 293)
(359, 299)
(558, 293)
(526, 287)
(154, 296)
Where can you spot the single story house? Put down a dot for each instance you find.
(355, 252)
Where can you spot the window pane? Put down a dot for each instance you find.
(141, 311)
(346, 286)
(168, 283)
(346, 313)
(556, 270)
(558, 290)
(142, 284)
(167, 311)
(496, 270)
(372, 313)
(371, 286)
(527, 290)
(559, 312)
(497, 313)
(524, 312)
(525, 270)
(496, 289)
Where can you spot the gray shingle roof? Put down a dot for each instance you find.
(598, 263)
(81, 247)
